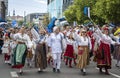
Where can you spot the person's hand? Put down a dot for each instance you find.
(117, 44)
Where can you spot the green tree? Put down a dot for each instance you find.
(46, 20)
(76, 11)
(20, 23)
(108, 10)
(70, 14)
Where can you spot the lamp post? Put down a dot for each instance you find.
(24, 17)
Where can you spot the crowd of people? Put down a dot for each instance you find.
(78, 44)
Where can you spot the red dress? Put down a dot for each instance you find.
(103, 56)
(69, 51)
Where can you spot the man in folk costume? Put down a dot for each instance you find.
(84, 46)
(103, 54)
(40, 52)
(20, 53)
(55, 43)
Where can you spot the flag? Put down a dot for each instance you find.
(14, 23)
(87, 11)
(35, 34)
(51, 24)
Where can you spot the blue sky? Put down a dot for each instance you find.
(29, 6)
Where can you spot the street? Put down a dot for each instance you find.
(92, 72)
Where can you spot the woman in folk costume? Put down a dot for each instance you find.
(103, 53)
(69, 52)
(6, 49)
(23, 43)
(55, 43)
(84, 46)
(40, 52)
(116, 53)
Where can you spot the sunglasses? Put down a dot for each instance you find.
(83, 32)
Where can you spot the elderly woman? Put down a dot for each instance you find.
(20, 53)
(84, 46)
(55, 43)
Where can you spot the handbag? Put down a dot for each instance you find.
(80, 51)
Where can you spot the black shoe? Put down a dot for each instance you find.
(84, 73)
(81, 70)
(58, 70)
(40, 71)
(9, 64)
(54, 70)
(20, 73)
(116, 65)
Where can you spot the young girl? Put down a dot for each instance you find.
(69, 53)
(6, 49)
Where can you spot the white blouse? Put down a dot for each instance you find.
(83, 41)
(23, 38)
(105, 38)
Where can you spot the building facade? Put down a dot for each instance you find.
(57, 7)
(36, 18)
(3, 9)
(66, 3)
(17, 18)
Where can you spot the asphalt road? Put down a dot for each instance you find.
(92, 72)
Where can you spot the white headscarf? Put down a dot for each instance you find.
(54, 29)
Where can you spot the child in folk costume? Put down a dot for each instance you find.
(6, 49)
(69, 52)
(84, 46)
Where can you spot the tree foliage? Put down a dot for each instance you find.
(102, 11)
(108, 10)
(46, 20)
(20, 23)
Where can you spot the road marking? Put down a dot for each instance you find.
(115, 75)
(14, 74)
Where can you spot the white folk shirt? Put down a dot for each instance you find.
(55, 42)
(69, 42)
(105, 38)
(83, 41)
(24, 38)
